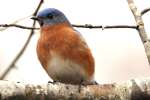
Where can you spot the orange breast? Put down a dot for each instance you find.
(64, 40)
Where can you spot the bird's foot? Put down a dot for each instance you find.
(85, 83)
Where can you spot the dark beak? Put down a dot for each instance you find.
(34, 18)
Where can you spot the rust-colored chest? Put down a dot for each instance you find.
(63, 40)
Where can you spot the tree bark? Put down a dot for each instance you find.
(135, 89)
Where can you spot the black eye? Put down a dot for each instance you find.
(50, 16)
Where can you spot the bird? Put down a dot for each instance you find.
(62, 50)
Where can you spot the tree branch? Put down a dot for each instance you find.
(18, 26)
(141, 29)
(145, 11)
(24, 47)
(5, 26)
(12, 64)
(104, 27)
(75, 25)
(134, 89)
(139, 21)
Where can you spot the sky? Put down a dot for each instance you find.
(119, 53)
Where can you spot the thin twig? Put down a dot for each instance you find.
(37, 9)
(12, 64)
(24, 47)
(13, 23)
(87, 26)
(18, 26)
(74, 25)
(120, 26)
(145, 11)
(104, 27)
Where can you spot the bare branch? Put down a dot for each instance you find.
(141, 29)
(75, 25)
(24, 47)
(5, 26)
(134, 89)
(37, 9)
(12, 64)
(139, 21)
(145, 11)
(18, 26)
(104, 27)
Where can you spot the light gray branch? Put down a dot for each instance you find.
(130, 90)
(141, 28)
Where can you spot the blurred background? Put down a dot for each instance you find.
(119, 53)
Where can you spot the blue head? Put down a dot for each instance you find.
(50, 16)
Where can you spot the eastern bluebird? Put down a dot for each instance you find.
(62, 50)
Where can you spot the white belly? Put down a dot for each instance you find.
(65, 70)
